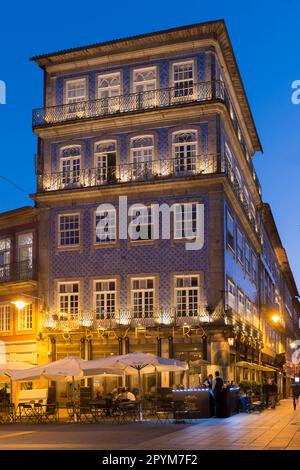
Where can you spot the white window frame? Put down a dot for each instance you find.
(184, 153)
(5, 258)
(75, 105)
(231, 294)
(106, 296)
(143, 163)
(239, 246)
(111, 216)
(186, 293)
(145, 218)
(241, 302)
(248, 258)
(25, 318)
(65, 231)
(110, 103)
(71, 313)
(178, 96)
(184, 215)
(231, 218)
(145, 98)
(147, 307)
(101, 163)
(71, 175)
(5, 318)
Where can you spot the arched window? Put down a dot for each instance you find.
(109, 90)
(184, 145)
(105, 161)
(70, 164)
(142, 155)
(144, 83)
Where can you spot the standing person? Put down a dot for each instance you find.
(273, 390)
(217, 387)
(208, 382)
(295, 394)
(266, 392)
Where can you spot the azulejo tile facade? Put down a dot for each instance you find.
(175, 129)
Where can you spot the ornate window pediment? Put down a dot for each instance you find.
(71, 151)
(107, 81)
(145, 141)
(145, 75)
(182, 137)
(105, 146)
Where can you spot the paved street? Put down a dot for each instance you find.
(273, 429)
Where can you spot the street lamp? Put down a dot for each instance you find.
(275, 318)
(19, 304)
(231, 341)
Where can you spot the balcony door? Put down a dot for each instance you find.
(105, 155)
(109, 90)
(142, 149)
(25, 255)
(70, 166)
(144, 86)
(5, 258)
(185, 152)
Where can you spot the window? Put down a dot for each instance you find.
(239, 246)
(69, 230)
(68, 300)
(239, 183)
(254, 268)
(105, 226)
(187, 295)
(185, 151)
(247, 259)
(185, 219)
(141, 154)
(109, 90)
(75, 96)
(70, 165)
(183, 80)
(25, 254)
(5, 254)
(142, 223)
(105, 157)
(231, 294)
(229, 162)
(144, 83)
(4, 318)
(230, 232)
(142, 297)
(25, 318)
(241, 303)
(248, 310)
(105, 299)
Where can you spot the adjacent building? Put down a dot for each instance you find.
(160, 118)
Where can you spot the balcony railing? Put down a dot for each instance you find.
(129, 318)
(21, 271)
(128, 172)
(148, 100)
(133, 102)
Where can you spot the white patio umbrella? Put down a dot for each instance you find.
(139, 363)
(70, 368)
(7, 369)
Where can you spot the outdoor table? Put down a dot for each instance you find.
(98, 409)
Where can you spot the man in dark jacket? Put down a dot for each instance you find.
(217, 387)
(295, 394)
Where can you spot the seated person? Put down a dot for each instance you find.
(130, 396)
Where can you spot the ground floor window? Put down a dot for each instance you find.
(4, 318)
(25, 318)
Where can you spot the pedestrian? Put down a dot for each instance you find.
(217, 387)
(273, 392)
(208, 382)
(295, 394)
(266, 393)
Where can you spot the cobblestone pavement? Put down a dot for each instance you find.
(273, 430)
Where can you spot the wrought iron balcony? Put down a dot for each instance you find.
(133, 102)
(129, 318)
(128, 172)
(201, 92)
(21, 271)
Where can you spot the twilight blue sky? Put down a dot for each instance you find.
(265, 37)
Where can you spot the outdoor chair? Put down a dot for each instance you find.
(26, 413)
(7, 413)
(73, 411)
(128, 411)
(164, 412)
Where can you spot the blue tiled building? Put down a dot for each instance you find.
(159, 118)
